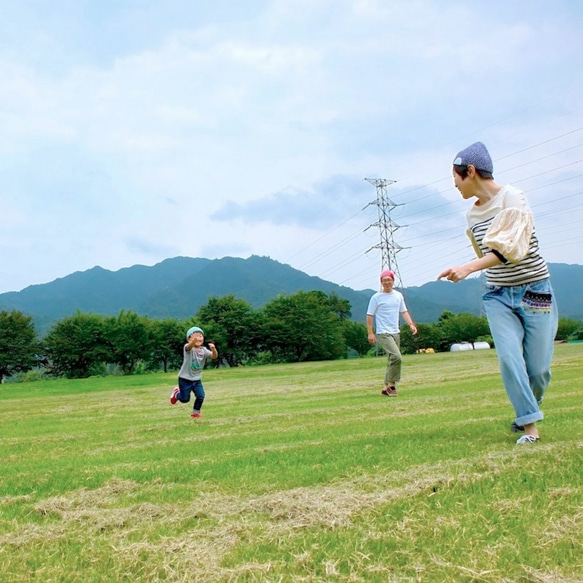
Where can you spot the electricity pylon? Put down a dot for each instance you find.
(387, 227)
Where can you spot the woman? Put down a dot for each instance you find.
(519, 301)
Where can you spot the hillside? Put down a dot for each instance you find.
(177, 287)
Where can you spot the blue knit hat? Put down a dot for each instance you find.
(192, 330)
(477, 155)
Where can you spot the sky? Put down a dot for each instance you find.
(133, 131)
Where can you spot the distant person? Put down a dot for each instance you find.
(518, 300)
(382, 323)
(195, 356)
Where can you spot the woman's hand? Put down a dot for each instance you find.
(455, 274)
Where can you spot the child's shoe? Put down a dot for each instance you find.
(173, 396)
(196, 415)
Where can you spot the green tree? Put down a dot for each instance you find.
(568, 329)
(339, 306)
(231, 323)
(18, 343)
(428, 336)
(167, 337)
(355, 336)
(461, 328)
(302, 327)
(128, 338)
(75, 347)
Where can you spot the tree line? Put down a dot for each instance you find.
(304, 326)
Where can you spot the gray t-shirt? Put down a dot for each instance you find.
(193, 363)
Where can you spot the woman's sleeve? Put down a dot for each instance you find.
(510, 233)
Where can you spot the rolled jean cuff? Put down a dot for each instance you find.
(530, 418)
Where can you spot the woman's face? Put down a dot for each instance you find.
(464, 185)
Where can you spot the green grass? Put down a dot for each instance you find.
(295, 473)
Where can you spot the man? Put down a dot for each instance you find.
(382, 323)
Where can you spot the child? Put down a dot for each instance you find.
(189, 377)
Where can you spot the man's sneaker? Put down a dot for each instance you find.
(389, 392)
(526, 439)
(196, 415)
(516, 428)
(173, 396)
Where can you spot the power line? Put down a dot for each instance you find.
(452, 211)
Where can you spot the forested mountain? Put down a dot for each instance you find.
(178, 287)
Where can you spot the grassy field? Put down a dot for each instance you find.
(295, 473)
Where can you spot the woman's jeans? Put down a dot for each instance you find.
(186, 387)
(391, 344)
(523, 321)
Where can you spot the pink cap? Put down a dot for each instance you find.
(388, 273)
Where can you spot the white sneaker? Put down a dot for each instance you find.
(527, 439)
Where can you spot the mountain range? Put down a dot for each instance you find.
(177, 287)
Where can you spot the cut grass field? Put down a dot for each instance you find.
(299, 472)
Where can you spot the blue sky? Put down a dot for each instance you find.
(135, 131)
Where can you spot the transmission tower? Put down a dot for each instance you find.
(386, 226)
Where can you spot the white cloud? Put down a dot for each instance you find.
(128, 134)
(320, 207)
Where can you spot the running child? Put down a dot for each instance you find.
(195, 356)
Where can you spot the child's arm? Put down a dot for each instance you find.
(213, 349)
(190, 344)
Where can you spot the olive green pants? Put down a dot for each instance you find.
(391, 344)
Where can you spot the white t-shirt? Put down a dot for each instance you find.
(386, 309)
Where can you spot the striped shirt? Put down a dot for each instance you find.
(504, 226)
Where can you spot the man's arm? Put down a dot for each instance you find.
(370, 329)
(409, 320)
